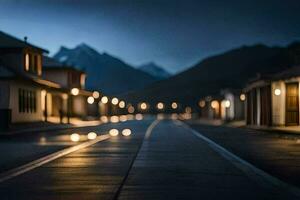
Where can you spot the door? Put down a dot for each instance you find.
(292, 104)
(265, 99)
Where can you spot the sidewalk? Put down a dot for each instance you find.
(52, 124)
(242, 124)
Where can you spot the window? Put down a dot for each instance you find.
(27, 101)
(33, 63)
(26, 62)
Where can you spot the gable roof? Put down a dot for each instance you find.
(8, 41)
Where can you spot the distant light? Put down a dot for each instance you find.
(138, 116)
(96, 94)
(122, 104)
(113, 132)
(75, 91)
(242, 97)
(143, 106)
(123, 118)
(277, 92)
(130, 109)
(202, 104)
(90, 100)
(126, 132)
(160, 106)
(104, 99)
(75, 137)
(225, 103)
(174, 105)
(215, 104)
(92, 135)
(115, 101)
(114, 119)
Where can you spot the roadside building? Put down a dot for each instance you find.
(73, 80)
(22, 89)
(233, 104)
(274, 99)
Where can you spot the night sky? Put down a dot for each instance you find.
(174, 35)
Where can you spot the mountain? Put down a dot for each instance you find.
(105, 73)
(155, 70)
(232, 69)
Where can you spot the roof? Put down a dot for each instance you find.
(8, 41)
(52, 64)
(286, 74)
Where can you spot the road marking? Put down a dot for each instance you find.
(150, 128)
(46, 159)
(261, 177)
(147, 135)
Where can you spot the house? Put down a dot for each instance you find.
(73, 80)
(233, 104)
(274, 99)
(22, 88)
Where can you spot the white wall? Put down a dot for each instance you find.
(14, 103)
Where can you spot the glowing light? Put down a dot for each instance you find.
(122, 104)
(202, 104)
(27, 62)
(115, 101)
(174, 116)
(75, 137)
(174, 105)
(75, 91)
(277, 92)
(143, 106)
(130, 109)
(104, 119)
(242, 97)
(214, 104)
(113, 132)
(104, 99)
(96, 94)
(225, 103)
(138, 116)
(126, 132)
(160, 106)
(90, 100)
(92, 135)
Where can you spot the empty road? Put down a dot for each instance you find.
(161, 159)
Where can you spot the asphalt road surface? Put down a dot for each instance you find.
(161, 159)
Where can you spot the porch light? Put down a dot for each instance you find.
(214, 104)
(75, 91)
(90, 100)
(225, 103)
(242, 97)
(277, 92)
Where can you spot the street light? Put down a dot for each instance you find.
(74, 91)
(143, 106)
(90, 100)
(104, 99)
(202, 103)
(174, 105)
(122, 104)
(115, 101)
(242, 97)
(160, 106)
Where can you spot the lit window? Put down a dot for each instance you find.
(26, 62)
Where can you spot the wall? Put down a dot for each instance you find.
(79, 106)
(14, 103)
(60, 77)
(278, 103)
(4, 94)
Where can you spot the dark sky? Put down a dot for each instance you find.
(174, 34)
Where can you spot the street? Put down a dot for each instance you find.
(161, 159)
